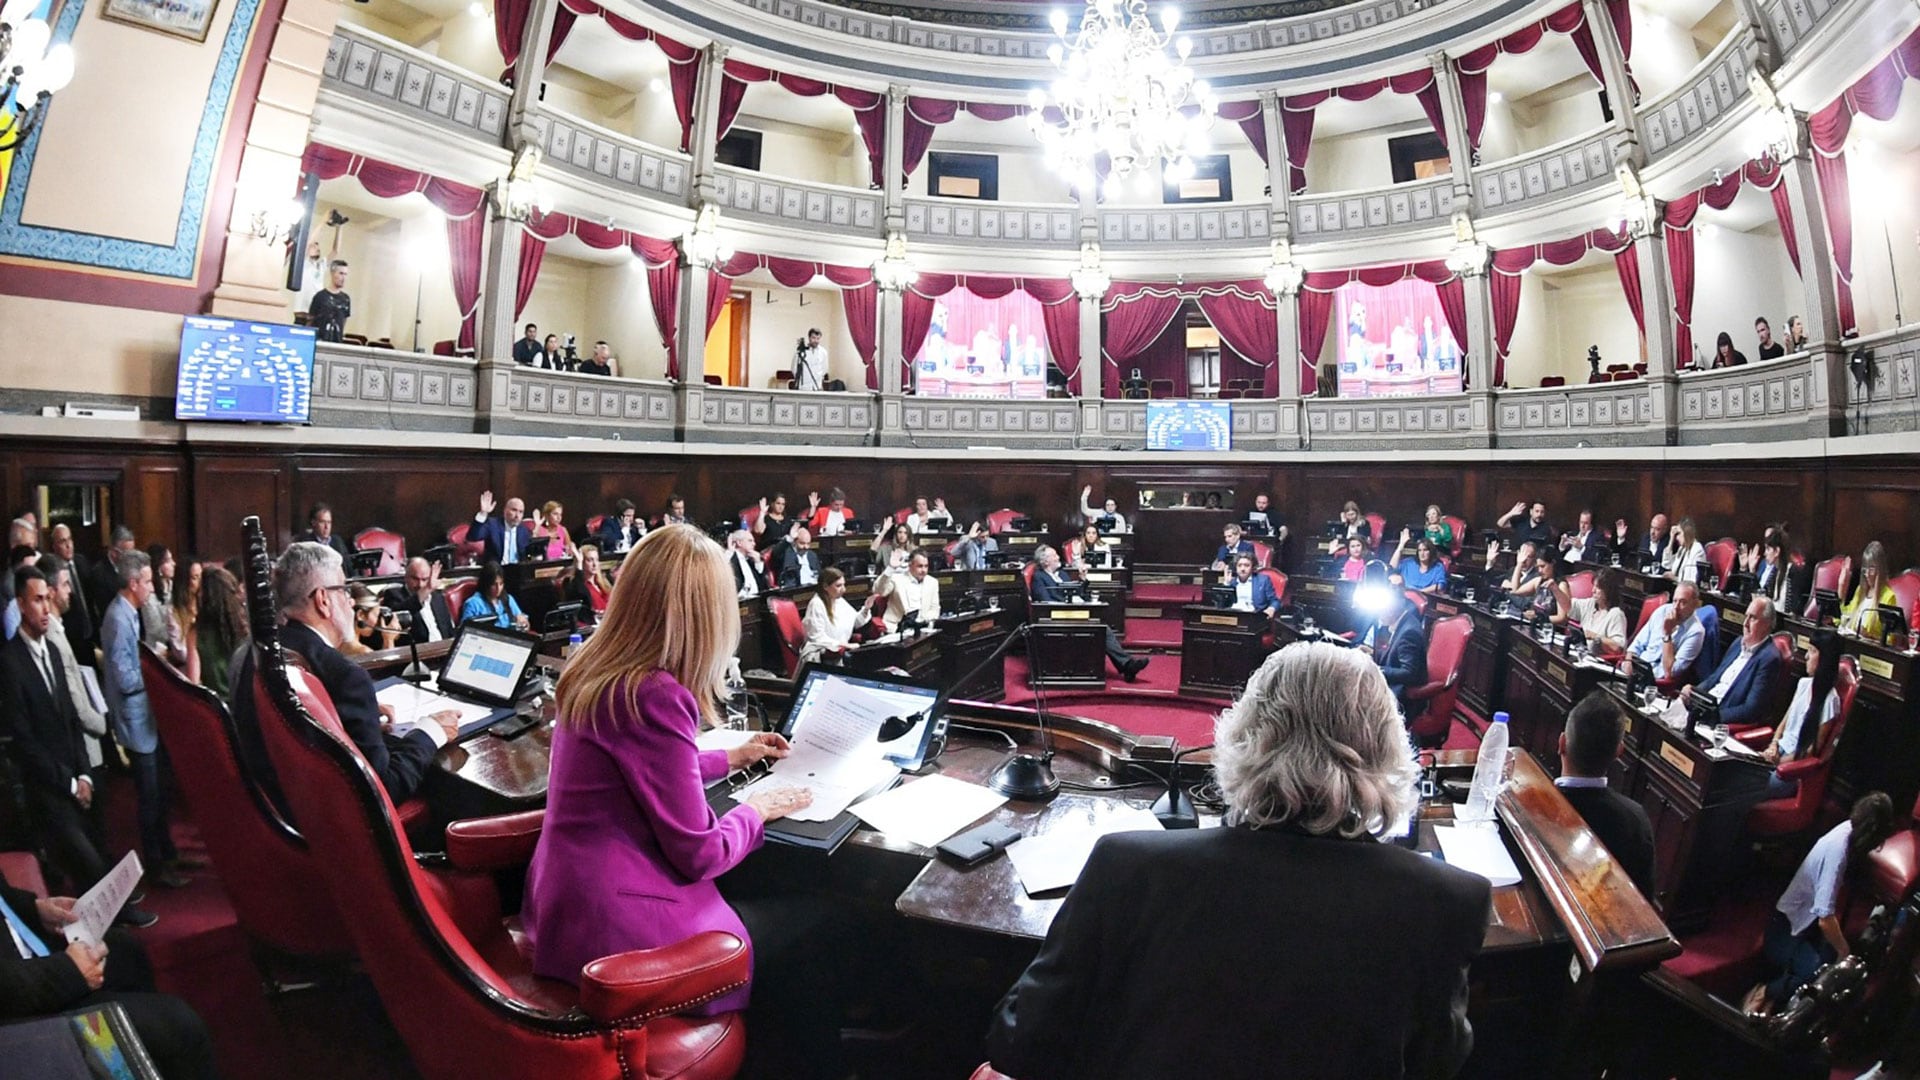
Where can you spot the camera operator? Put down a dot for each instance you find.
(809, 362)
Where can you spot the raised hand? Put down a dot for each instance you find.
(486, 503)
(813, 500)
(1519, 508)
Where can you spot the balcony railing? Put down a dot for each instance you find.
(1716, 86)
(365, 65)
(618, 159)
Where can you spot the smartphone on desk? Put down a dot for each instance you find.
(975, 846)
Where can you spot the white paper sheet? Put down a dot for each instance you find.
(1053, 860)
(834, 789)
(836, 751)
(1478, 851)
(928, 810)
(95, 912)
(412, 705)
(721, 738)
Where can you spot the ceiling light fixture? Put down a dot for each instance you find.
(34, 69)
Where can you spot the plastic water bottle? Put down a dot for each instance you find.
(1489, 772)
(573, 646)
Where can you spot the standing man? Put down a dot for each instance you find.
(506, 539)
(92, 720)
(126, 693)
(78, 617)
(104, 577)
(331, 306)
(528, 350)
(320, 530)
(810, 362)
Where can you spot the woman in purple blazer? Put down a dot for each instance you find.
(630, 850)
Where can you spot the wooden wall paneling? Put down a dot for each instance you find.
(1737, 503)
(1866, 503)
(429, 493)
(156, 496)
(228, 488)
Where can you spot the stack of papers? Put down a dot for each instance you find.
(836, 753)
(1054, 859)
(412, 705)
(1478, 851)
(929, 810)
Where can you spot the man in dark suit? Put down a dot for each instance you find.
(102, 581)
(1252, 591)
(1400, 647)
(749, 569)
(1744, 682)
(507, 538)
(422, 598)
(1049, 588)
(799, 564)
(1653, 546)
(41, 975)
(622, 529)
(1594, 733)
(78, 618)
(320, 531)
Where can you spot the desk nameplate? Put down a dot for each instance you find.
(1677, 758)
(1057, 616)
(1219, 620)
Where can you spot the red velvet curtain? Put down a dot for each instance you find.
(1244, 315)
(1626, 263)
(1135, 315)
(869, 108)
(662, 261)
(1316, 312)
(923, 114)
(1571, 20)
(1296, 114)
(1504, 279)
(1059, 311)
(1679, 217)
(859, 297)
(533, 248)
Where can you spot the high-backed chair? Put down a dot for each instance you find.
(1001, 520)
(1758, 736)
(265, 866)
(1378, 523)
(1797, 814)
(1279, 582)
(1430, 706)
(1906, 586)
(391, 546)
(21, 869)
(1834, 575)
(455, 978)
(749, 515)
(1893, 868)
(1459, 525)
(593, 527)
(1262, 554)
(1160, 388)
(1580, 585)
(1720, 556)
(1554, 380)
(790, 629)
(1647, 607)
(901, 515)
(457, 593)
(468, 551)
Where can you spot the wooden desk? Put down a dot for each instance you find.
(1541, 687)
(752, 648)
(918, 656)
(1111, 586)
(1022, 545)
(1328, 601)
(1220, 648)
(1483, 667)
(1067, 646)
(967, 640)
(851, 552)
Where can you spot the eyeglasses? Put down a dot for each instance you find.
(331, 588)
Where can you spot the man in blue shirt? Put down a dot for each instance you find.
(125, 689)
(1672, 639)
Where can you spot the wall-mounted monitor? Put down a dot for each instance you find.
(1418, 157)
(1189, 425)
(232, 369)
(740, 149)
(1212, 181)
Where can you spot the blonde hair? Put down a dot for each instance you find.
(547, 509)
(673, 611)
(600, 573)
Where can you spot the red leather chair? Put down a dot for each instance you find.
(1759, 735)
(391, 545)
(1553, 380)
(1418, 599)
(443, 348)
(457, 593)
(1026, 578)
(1459, 525)
(988, 1072)
(1378, 523)
(455, 975)
(1720, 556)
(21, 869)
(1906, 586)
(749, 515)
(1580, 585)
(1431, 705)
(1834, 575)
(789, 629)
(593, 527)
(1893, 868)
(1279, 582)
(1795, 815)
(469, 551)
(1001, 520)
(1262, 554)
(1647, 607)
(901, 515)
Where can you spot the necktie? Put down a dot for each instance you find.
(511, 548)
(29, 941)
(46, 668)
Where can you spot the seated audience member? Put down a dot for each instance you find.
(422, 598)
(1251, 591)
(830, 620)
(749, 570)
(602, 361)
(925, 518)
(507, 539)
(222, 628)
(1231, 544)
(1584, 543)
(320, 530)
(492, 603)
(1769, 349)
(676, 511)
(1601, 620)
(799, 563)
(1398, 644)
(1049, 588)
(1528, 521)
(1724, 354)
(43, 974)
(1805, 933)
(1596, 730)
(916, 593)
(549, 533)
(628, 815)
(62, 595)
(970, 551)
(891, 546)
(1672, 639)
(1108, 509)
(1552, 599)
(1525, 575)
(1814, 705)
(374, 626)
(622, 529)
(1353, 566)
(1438, 529)
(1311, 760)
(1421, 571)
(1744, 682)
(553, 357)
(1353, 525)
(527, 349)
(1265, 521)
(125, 689)
(310, 586)
(831, 519)
(1086, 543)
(1796, 334)
(1861, 613)
(589, 584)
(1685, 553)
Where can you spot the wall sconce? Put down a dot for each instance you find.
(702, 245)
(1090, 279)
(1639, 211)
(892, 272)
(1782, 127)
(518, 196)
(1284, 276)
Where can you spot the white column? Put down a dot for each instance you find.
(894, 159)
(1818, 288)
(1286, 315)
(691, 341)
(1453, 117)
(529, 72)
(706, 126)
(1656, 299)
(499, 288)
(1613, 69)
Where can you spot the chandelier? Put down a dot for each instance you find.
(33, 69)
(1120, 92)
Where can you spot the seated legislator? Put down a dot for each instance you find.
(676, 512)
(830, 621)
(1528, 522)
(1398, 644)
(1653, 545)
(1252, 592)
(1438, 529)
(749, 570)
(925, 518)
(1088, 542)
(1552, 600)
(1813, 707)
(1744, 682)
(915, 592)
(1861, 613)
(1353, 524)
(1599, 616)
(1049, 588)
(890, 547)
(1421, 571)
(1595, 732)
(1672, 639)
(970, 551)
(799, 563)
(1108, 509)
(772, 525)
(320, 530)
(42, 974)
(1770, 564)
(622, 529)
(550, 538)
(1584, 543)
(506, 539)
(1804, 933)
(589, 585)
(1525, 576)
(1353, 565)
(310, 586)
(630, 854)
(831, 519)
(1685, 553)
(492, 603)
(421, 597)
(1326, 953)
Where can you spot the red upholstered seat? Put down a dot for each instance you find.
(1001, 520)
(454, 976)
(1580, 585)
(749, 515)
(1431, 705)
(789, 629)
(391, 545)
(901, 515)
(1459, 525)
(21, 870)
(1378, 523)
(1418, 599)
(1797, 814)
(1647, 607)
(1720, 556)
(1758, 736)
(443, 347)
(1834, 575)
(1894, 867)
(1026, 577)
(457, 593)
(1279, 582)
(264, 863)
(593, 526)
(1554, 380)
(1906, 586)
(988, 1072)
(469, 551)
(1262, 554)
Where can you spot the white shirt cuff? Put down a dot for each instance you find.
(431, 730)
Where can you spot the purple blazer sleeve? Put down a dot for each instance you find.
(665, 773)
(713, 765)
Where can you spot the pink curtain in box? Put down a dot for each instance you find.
(1059, 311)
(869, 107)
(1243, 313)
(1135, 315)
(1315, 304)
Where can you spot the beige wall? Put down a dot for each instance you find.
(1738, 276)
(1882, 183)
(388, 256)
(776, 327)
(122, 351)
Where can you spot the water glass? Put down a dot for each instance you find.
(1720, 735)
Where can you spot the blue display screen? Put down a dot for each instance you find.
(1189, 425)
(231, 369)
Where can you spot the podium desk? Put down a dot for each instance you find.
(1111, 586)
(1541, 686)
(1007, 585)
(918, 655)
(1328, 601)
(1483, 667)
(1067, 646)
(851, 552)
(1022, 545)
(1220, 648)
(967, 639)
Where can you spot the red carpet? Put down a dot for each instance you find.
(1148, 592)
(1153, 634)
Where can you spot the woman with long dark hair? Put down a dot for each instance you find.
(491, 601)
(1804, 934)
(221, 628)
(1813, 707)
(1724, 354)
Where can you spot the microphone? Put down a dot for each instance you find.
(1175, 809)
(895, 727)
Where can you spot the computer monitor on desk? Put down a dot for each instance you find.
(1826, 604)
(1220, 596)
(366, 561)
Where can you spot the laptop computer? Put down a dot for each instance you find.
(481, 679)
(365, 562)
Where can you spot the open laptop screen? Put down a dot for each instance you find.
(488, 663)
(902, 697)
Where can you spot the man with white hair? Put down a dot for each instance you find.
(1333, 955)
(1744, 682)
(749, 569)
